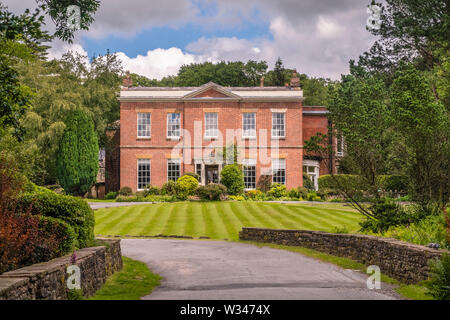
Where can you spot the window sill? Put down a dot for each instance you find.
(248, 138)
(278, 138)
(143, 138)
(210, 138)
(173, 138)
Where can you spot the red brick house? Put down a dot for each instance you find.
(167, 132)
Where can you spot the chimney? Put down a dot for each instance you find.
(127, 81)
(261, 82)
(295, 81)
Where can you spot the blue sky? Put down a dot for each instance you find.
(155, 37)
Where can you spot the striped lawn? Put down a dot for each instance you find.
(221, 220)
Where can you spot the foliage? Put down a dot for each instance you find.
(393, 183)
(193, 174)
(307, 182)
(232, 177)
(439, 284)
(277, 190)
(125, 191)
(411, 30)
(169, 188)
(133, 282)
(186, 186)
(57, 10)
(294, 193)
(387, 214)
(148, 198)
(279, 78)
(77, 158)
(152, 190)
(425, 125)
(236, 198)
(75, 211)
(264, 182)
(62, 234)
(255, 194)
(425, 231)
(111, 195)
(212, 192)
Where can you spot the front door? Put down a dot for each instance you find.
(212, 174)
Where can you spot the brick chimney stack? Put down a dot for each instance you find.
(295, 81)
(127, 81)
(261, 82)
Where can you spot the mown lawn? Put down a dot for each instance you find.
(221, 220)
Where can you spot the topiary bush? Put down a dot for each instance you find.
(152, 191)
(232, 177)
(169, 188)
(75, 211)
(186, 186)
(212, 192)
(327, 181)
(277, 190)
(125, 191)
(77, 157)
(294, 193)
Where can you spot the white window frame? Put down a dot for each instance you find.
(314, 174)
(149, 124)
(177, 161)
(275, 123)
(249, 163)
(276, 165)
(252, 130)
(208, 129)
(149, 162)
(171, 125)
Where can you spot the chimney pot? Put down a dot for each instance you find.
(127, 81)
(261, 83)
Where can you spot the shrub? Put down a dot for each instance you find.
(193, 174)
(232, 177)
(294, 193)
(324, 193)
(303, 192)
(439, 284)
(152, 191)
(129, 199)
(307, 182)
(75, 211)
(186, 186)
(62, 235)
(211, 191)
(111, 195)
(77, 157)
(353, 181)
(125, 191)
(312, 196)
(169, 188)
(236, 198)
(255, 194)
(393, 183)
(388, 214)
(264, 183)
(277, 190)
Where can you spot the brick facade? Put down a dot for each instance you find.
(193, 149)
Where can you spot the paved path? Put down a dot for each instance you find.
(230, 270)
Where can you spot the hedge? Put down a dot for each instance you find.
(75, 211)
(61, 235)
(391, 183)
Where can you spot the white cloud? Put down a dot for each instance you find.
(158, 63)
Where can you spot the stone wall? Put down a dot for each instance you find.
(400, 260)
(47, 280)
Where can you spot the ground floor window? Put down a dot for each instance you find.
(198, 170)
(143, 173)
(173, 169)
(250, 174)
(279, 171)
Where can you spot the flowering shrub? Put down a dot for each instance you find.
(277, 190)
(186, 186)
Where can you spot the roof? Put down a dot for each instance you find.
(193, 93)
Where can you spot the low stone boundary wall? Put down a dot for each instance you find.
(47, 280)
(400, 260)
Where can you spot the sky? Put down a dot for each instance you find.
(155, 37)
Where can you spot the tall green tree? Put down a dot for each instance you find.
(424, 122)
(77, 158)
(279, 75)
